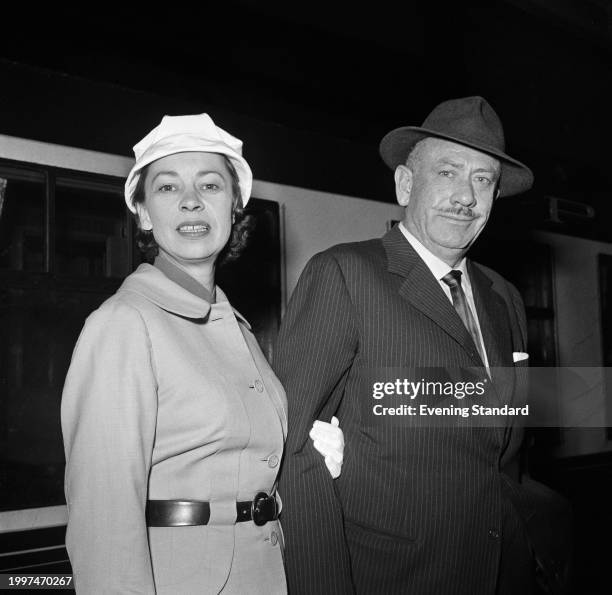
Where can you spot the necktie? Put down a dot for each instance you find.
(453, 280)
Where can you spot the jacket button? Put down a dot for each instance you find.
(493, 533)
(272, 461)
(273, 538)
(259, 386)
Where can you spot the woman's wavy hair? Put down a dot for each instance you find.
(242, 224)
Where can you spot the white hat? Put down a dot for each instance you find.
(180, 134)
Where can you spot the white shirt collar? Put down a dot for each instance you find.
(438, 269)
(437, 266)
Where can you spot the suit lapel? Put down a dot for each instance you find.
(496, 332)
(423, 290)
(493, 318)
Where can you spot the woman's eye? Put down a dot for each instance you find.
(210, 187)
(166, 188)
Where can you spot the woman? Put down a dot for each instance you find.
(173, 421)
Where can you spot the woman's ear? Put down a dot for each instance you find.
(144, 221)
(403, 184)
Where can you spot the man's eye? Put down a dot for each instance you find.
(483, 180)
(446, 173)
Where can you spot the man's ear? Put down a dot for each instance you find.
(498, 185)
(144, 221)
(403, 184)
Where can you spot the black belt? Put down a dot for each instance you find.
(187, 513)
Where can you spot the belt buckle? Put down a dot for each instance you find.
(263, 508)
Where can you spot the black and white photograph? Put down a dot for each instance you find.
(306, 298)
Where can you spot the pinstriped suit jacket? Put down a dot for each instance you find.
(416, 510)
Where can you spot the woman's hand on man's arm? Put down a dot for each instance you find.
(328, 439)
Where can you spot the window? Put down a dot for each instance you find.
(65, 245)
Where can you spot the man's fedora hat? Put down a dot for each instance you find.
(469, 121)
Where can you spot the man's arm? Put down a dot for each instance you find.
(315, 350)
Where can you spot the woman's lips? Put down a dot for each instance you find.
(193, 229)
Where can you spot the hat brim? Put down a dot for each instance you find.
(516, 177)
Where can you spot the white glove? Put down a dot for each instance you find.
(328, 439)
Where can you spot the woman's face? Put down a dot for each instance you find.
(188, 205)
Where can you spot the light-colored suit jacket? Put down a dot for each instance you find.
(170, 397)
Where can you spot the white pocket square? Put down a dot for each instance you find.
(519, 356)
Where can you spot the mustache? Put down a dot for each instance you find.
(460, 211)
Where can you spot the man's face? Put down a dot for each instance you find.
(448, 191)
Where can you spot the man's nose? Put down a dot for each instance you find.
(464, 194)
(190, 201)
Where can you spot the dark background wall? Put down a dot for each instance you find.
(312, 89)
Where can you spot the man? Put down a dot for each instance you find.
(417, 509)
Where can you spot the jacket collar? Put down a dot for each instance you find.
(183, 278)
(423, 290)
(496, 330)
(150, 283)
(493, 316)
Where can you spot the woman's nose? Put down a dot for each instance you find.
(190, 201)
